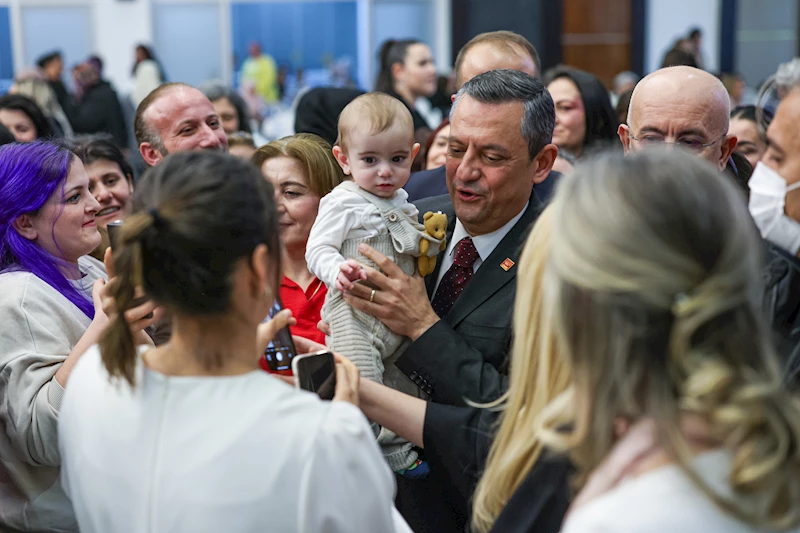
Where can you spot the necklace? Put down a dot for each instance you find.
(319, 284)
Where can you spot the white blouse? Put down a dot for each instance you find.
(210, 454)
(663, 500)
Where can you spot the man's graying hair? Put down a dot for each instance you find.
(788, 75)
(501, 86)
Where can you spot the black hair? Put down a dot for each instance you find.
(6, 137)
(745, 112)
(47, 58)
(149, 54)
(601, 119)
(216, 91)
(17, 102)
(196, 215)
(391, 53)
(102, 147)
(505, 85)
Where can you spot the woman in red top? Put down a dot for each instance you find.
(302, 170)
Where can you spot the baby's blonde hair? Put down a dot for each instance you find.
(378, 111)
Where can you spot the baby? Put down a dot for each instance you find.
(376, 147)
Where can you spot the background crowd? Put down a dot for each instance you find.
(609, 341)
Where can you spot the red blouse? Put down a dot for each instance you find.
(306, 307)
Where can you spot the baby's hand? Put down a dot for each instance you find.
(349, 272)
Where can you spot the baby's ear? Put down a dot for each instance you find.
(414, 151)
(342, 159)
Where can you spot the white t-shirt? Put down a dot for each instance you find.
(244, 453)
(662, 501)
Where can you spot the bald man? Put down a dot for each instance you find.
(176, 117)
(683, 106)
(493, 50)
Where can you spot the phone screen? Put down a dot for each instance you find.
(317, 373)
(280, 350)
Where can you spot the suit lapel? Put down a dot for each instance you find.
(491, 277)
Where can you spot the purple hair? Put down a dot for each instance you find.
(30, 173)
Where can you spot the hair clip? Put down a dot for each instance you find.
(680, 303)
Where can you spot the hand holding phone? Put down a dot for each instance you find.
(280, 351)
(316, 372)
(114, 230)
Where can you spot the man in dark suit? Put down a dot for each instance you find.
(460, 322)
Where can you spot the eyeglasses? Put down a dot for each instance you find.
(691, 142)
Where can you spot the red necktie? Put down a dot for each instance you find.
(456, 277)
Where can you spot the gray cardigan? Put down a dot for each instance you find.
(39, 329)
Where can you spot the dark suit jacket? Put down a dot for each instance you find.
(464, 355)
(427, 183)
(457, 442)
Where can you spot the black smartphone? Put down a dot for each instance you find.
(316, 372)
(280, 351)
(114, 235)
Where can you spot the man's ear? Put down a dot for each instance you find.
(23, 225)
(150, 155)
(624, 133)
(342, 159)
(728, 146)
(544, 162)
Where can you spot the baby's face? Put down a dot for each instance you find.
(381, 162)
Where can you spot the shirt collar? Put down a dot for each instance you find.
(484, 244)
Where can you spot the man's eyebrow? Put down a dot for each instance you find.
(651, 129)
(774, 145)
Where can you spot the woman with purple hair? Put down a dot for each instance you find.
(51, 310)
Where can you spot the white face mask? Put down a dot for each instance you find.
(767, 200)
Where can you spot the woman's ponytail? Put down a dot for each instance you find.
(117, 346)
(385, 81)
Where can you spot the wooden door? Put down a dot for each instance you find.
(597, 36)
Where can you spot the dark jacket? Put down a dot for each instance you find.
(427, 183)
(464, 355)
(99, 111)
(457, 442)
(782, 304)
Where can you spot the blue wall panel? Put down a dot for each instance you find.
(297, 34)
(6, 61)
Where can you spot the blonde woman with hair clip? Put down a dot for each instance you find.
(677, 419)
(523, 487)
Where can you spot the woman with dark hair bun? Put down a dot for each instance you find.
(23, 117)
(585, 118)
(193, 435)
(407, 72)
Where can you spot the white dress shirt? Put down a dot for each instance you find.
(244, 453)
(484, 244)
